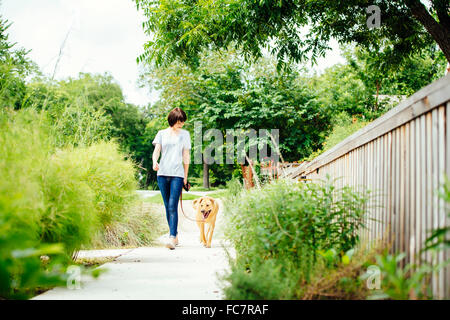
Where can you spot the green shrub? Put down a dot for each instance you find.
(110, 178)
(292, 223)
(53, 201)
(85, 189)
(266, 281)
(69, 214)
(343, 127)
(142, 224)
(24, 148)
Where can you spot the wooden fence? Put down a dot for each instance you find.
(402, 157)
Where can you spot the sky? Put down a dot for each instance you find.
(105, 36)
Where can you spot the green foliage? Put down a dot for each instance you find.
(53, 196)
(24, 150)
(412, 280)
(225, 93)
(293, 224)
(158, 198)
(85, 189)
(109, 177)
(183, 29)
(340, 277)
(63, 185)
(266, 281)
(417, 71)
(140, 226)
(14, 68)
(21, 269)
(343, 128)
(401, 283)
(91, 108)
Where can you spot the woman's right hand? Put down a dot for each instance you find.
(155, 166)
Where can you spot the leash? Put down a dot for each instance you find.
(184, 214)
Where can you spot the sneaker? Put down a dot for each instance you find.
(176, 240)
(171, 244)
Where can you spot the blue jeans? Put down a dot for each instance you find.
(170, 188)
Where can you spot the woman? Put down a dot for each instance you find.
(174, 144)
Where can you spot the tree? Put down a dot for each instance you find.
(93, 105)
(291, 29)
(226, 93)
(15, 66)
(354, 87)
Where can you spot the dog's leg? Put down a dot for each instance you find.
(210, 234)
(201, 226)
(208, 231)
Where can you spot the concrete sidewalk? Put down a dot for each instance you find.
(188, 272)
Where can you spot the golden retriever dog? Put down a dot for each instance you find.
(207, 209)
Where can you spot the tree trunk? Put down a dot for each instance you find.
(247, 175)
(205, 175)
(439, 30)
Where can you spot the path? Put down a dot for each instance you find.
(188, 272)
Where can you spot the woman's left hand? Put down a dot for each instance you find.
(184, 181)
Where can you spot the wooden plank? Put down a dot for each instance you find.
(418, 185)
(424, 194)
(429, 179)
(370, 184)
(389, 186)
(395, 173)
(378, 183)
(407, 179)
(401, 192)
(434, 183)
(381, 187)
(387, 148)
(398, 175)
(366, 209)
(447, 171)
(412, 192)
(441, 204)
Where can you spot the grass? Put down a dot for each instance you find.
(86, 263)
(94, 262)
(343, 128)
(219, 193)
(200, 188)
(285, 232)
(141, 225)
(159, 200)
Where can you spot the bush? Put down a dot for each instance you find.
(139, 227)
(266, 281)
(110, 178)
(290, 224)
(24, 148)
(53, 201)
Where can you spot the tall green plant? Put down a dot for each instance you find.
(292, 224)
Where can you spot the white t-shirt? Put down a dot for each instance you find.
(171, 163)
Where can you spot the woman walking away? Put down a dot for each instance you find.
(174, 144)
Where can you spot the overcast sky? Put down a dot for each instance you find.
(106, 35)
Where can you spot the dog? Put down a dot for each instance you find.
(207, 209)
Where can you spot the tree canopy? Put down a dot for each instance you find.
(293, 30)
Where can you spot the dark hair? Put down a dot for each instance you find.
(175, 115)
